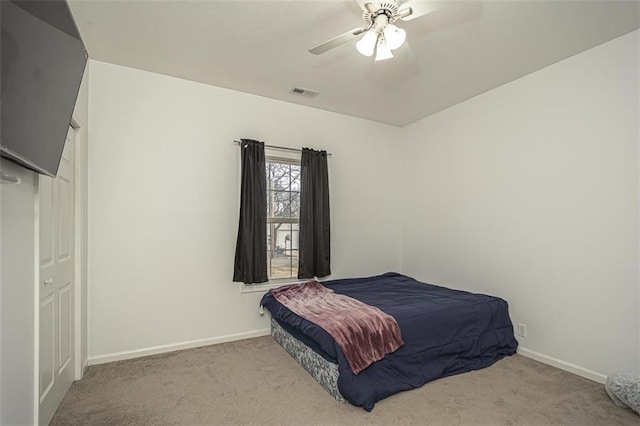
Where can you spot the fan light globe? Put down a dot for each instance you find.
(367, 43)
(383, 51)
(394, 36)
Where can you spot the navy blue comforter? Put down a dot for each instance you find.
(445, 331)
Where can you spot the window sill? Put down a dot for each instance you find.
(263, 288)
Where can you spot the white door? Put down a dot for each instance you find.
(56, 284)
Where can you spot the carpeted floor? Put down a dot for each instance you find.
(256, 382)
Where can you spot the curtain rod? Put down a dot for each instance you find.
(284, 148)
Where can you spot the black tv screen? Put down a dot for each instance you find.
(42, 61)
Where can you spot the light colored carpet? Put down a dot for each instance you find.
(256, 382)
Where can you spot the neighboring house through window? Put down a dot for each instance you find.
(283, 212)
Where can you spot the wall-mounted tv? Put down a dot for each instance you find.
(42, 60)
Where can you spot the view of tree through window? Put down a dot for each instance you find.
(283, 211)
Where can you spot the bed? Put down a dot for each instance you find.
(445, 332)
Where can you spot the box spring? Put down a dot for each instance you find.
(323, 371)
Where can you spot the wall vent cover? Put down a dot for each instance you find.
(304, 92)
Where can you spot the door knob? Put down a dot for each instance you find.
(48, 281)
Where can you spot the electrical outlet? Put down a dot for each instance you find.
(522, 330)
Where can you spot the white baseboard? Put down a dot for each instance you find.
(119, 356)
(85, 364)
(563, 365)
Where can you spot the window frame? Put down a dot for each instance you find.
(296, 161)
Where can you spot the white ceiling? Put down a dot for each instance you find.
(261, 47)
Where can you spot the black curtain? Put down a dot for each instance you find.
(315, 229)
(250, 264)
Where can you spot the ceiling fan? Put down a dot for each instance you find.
(380, 34)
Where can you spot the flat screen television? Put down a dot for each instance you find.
(42, 60)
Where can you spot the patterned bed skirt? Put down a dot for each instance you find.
(323, 371)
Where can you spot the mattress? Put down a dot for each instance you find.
(445, 331)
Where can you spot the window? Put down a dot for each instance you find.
(283, 212)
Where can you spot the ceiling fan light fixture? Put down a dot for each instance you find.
(383, 51)
(367, 44)
(379, 17)
(394, 36)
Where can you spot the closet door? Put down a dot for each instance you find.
(56, 283)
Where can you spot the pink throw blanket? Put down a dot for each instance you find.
(364, 333)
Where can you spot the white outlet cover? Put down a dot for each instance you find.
(522, 330)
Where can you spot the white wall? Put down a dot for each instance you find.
(530, 192)
(164, 197)
(17, 296)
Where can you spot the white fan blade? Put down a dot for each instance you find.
(370, 8)
(417, 8)
(337, 41)
(368, 5)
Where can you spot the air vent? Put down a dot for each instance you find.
(304, 92)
